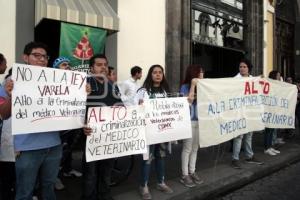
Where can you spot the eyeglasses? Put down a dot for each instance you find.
(40, 56)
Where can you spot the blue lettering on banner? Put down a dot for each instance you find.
(272, 118)
(236, 103)
(232, 126)
(216, 108)
(269, 100)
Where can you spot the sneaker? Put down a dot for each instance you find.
(279, 141)
(72, 173)
(59, 185)
(236, 164)
(187, 181)
(144, 191)
(270, 152)
(196, 178)
(164, 188)
(253, 160)
(35, 198)
(275, 150)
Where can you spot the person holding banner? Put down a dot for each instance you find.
(38, 155)
(190, 146)
(245, 67)
(270, 133)
(155, 86)
(97, 174)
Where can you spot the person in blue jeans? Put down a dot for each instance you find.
(37, 154)
(271, 132)
(155, 86)
(245, 67)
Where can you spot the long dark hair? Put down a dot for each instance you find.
(192, 71)
(148, 83)
(273, 74)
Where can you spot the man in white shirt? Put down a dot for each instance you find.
(129, 87)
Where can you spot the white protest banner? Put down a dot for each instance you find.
(228, 107)
(279, 100)
(47, 99)
(117, 131)
(167, 119)
(233, 106)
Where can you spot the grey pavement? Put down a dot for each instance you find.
(213, 165)
(282, 185)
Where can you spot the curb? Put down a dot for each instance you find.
(233, 182)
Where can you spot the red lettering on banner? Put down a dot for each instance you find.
(94, 116)
(250, 89)
(266, 86)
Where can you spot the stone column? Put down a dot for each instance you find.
(253, 34)
(177, 41)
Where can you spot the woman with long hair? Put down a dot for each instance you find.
(271, 133)
(155, 86)
(190, 146)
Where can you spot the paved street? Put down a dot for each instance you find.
(213, 165)
(284, 184)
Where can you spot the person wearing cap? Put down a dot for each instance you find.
(69, 137)
(62, 63)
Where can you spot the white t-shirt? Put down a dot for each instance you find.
(128, 90)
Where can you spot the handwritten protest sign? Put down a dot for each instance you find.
(117, 131)
(279, 101)
(167, 119)
(229, 107)
(46, 99)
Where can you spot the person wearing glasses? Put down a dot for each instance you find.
(38, 155)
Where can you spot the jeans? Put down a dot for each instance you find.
(96, 179)
(269, 132)
(274, 137)
(189, 151)
(42, 163)
(159, 165)
(237, 143)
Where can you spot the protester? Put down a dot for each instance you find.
(190, 146)
(7, 172)
(288, 133)
(69, 137)
(289, 80)
(5, 102)
(155, 86)
(97, 174)
(7, 157)
(112, 75)
(37, 154)
(244, 71)
(129, 87)
(269, 132)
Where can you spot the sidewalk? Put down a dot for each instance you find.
(213, 165)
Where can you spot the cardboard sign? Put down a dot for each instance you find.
(167, 119)
(117, 131)
(47, 99)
